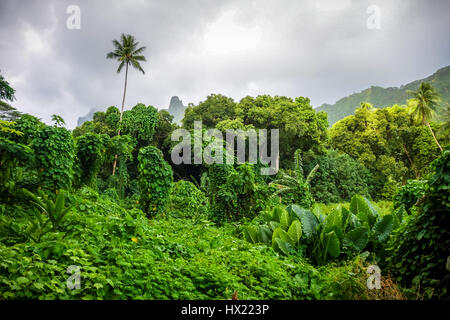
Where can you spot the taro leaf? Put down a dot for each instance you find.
(281, 234)
(331, 244)
(264, 234)
(357, 238)
(273, 225)
(363, 209)
(284, 220)
(276, 213)
(383, 227)
(295, 232)
(318, 213)
(334, 219)
(251, 234)
(346, 221)
(308, 220)
(282, 246)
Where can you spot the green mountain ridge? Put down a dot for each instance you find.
(381, 97)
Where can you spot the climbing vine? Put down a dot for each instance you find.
(155, 180)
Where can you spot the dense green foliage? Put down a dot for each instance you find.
(103, 200)
(55, 153)
(409, 194)
(418, 251)
(186, 200)
(338, 178)
(90, 149)
(155, 180)
(388, 142)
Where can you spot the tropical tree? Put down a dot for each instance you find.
(423, 105)
(7, 112)
(126, 52)
(296, 184)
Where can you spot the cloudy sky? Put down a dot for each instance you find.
(322, 49)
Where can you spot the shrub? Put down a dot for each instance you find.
(418, 250)
(239, 196)
(408, 195)
(155, 180)
(90, 150)
(55, 154)
(338, 178)
(186, 200)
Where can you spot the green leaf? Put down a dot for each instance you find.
(308, 220)
(251, 234)
(383, 227)
(284, 220)
(264, 234)
(282, 246)
(357, 238)
(363, 209)
(295, 232)
(331, 244)
(273, 225)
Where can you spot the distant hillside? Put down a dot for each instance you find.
(383, 97)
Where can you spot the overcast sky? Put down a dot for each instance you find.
(321, 49)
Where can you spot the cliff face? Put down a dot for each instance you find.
(176, 108)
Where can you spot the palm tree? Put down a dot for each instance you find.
(425, 101)
(127, 53)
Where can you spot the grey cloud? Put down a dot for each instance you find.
(306, 48)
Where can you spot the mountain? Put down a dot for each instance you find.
(383, 97)
(87, 117)
(176, 108)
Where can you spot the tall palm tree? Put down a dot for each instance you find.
(425, 101)
(127, 53)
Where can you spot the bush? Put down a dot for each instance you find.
(338, 178)
(90, 150)
(408, 195)
(155, 180)
(239, 196)
(55, 155)
(418, 251)
(186, 200)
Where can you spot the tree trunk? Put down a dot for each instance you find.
(121, 114)
(432, 133)
(410, 160)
